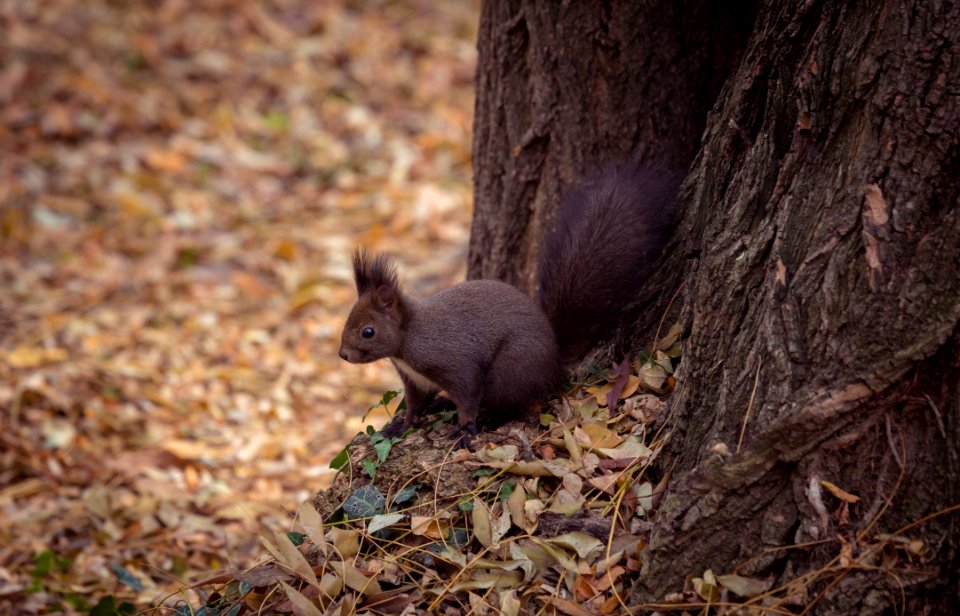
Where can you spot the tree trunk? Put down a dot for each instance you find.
(558, 94)
(820, 257)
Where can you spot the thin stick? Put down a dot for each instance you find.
(746, 417)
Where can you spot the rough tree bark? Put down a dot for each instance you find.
(558, 93)
(819, 253)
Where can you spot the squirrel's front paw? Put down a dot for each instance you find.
(463, 434)
(396, 427)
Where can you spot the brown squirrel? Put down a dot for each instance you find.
(490, 346)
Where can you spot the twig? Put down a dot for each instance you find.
(746, 417)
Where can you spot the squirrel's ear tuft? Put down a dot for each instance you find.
(373, 272)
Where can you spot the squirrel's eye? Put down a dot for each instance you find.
(367, 332)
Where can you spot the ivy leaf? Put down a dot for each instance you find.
(382, 446)
(458, 538)
(46, 561)
(388, 397)
(341, 459)
(365, 502)
(42, 563)
(385, 400)
(406, 495)
(370, 467)
(296, 538)
(107, 606)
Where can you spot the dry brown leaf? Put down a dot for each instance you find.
(313, 525)
(301, 605)
(429, 526)
(482, 523)
(353, 578)
(346, 542)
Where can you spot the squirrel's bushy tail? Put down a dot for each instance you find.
(607, 236)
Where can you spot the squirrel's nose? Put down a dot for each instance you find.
(343, 354)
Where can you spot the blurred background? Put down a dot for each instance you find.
(181, 184)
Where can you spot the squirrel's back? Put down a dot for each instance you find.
(487, 328)
(607, 236)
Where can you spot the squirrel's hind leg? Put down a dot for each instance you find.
(468, 403)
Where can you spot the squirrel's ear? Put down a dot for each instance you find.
(388, 301)
(372, 272)
(361, 270)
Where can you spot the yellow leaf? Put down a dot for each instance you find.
(633, 384)
(426, 526)
(601, 436)
(841, 494)
(600, 393)
(31, 357)
(184, 449)
(135, 205)
(285, 250)
(504, 453)
(166, 160)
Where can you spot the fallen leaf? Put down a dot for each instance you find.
(743, 586)
(313, 525)
(346, 542)
(482, 524)
(839, 493)
(353, 578)
(379, 522)
(428, 526)
(301, 605)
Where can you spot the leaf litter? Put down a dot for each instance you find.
(548, 512)
(181, 186)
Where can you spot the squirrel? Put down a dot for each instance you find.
(489, 345)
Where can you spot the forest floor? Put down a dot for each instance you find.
(180, 189)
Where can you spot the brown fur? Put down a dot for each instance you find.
(607, 237)
(373, 272)
(489, 345)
